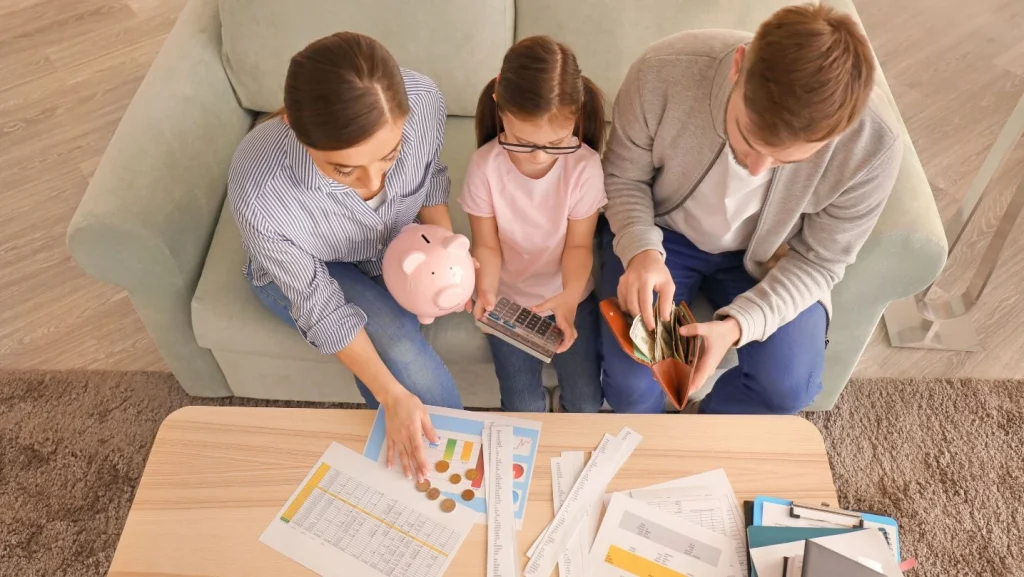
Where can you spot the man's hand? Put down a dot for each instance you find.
(563, 306)
(407, 422)
(719, 337)
(645, 275)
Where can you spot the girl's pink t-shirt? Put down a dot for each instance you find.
(532, 215)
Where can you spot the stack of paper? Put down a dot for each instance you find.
(708, 501)
(587, 490)
(687, 527)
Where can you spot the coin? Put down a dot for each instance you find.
(468, 495)
(441, 466)
(422, 486)
(455, 478)
(471, 474)
(447, 505)
(433, 493)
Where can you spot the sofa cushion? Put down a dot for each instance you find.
(458, 43)
(607, 36)
(227, 316)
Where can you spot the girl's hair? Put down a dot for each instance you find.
(341, 89)
(540, 77)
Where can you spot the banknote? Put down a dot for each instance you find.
(664, 341)
(643, 339)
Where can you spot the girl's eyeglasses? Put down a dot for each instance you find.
(528, 148)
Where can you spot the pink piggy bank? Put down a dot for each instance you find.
(429, 271)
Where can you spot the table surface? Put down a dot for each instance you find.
(216, 476)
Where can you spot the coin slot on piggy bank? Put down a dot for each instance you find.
(429, 271)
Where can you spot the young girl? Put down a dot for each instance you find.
(532, 191)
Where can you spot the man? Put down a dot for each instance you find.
(750, 170)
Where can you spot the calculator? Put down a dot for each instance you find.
(522, 328)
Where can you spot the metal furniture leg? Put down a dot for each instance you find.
(945, 324)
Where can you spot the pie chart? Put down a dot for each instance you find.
(517, 471)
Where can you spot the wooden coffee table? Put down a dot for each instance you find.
(217, 475)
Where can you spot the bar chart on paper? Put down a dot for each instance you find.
(456, 463)
(338, 515)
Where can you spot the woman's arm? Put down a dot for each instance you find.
(362, 359)
(437, 214)
(487, 251)
(335, 326)
(578, 256)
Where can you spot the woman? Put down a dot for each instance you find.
(319, 191)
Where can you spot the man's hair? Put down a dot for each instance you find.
(808, 75)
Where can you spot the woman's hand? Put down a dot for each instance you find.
(407, 423)
(563, 306)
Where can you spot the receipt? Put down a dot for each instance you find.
(502, 560)
(604, 463)
(564, 472)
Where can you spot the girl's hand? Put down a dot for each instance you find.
(563, 306)
(407, 423)
(469, 304)
(485, 301)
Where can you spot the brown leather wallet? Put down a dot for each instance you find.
(675, 376)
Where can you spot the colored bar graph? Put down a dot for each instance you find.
(479, 481)
(637, 565)
(449, 450)
(467, 451)
(304, 493)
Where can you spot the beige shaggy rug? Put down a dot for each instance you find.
(942, 456)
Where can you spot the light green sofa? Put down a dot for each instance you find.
(153, 220)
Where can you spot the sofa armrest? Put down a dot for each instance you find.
(904, 254)
(146, 219)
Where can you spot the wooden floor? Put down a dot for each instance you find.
(68, 69)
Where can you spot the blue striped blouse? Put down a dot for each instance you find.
(293, 219)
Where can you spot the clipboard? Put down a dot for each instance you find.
(837, 517)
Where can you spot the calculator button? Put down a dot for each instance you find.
(494, 317)
(533, 323)
(508, 315)
(552, 338)
(510, 325)
(513, 307)
(543, 329)
(501, 305)
(523, 316)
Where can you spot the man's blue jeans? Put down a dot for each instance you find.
(578, 369)
(780, 375)
(394, 332)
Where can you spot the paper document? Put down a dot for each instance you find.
(706, 499)
(604, 463)
(350, 517)
(638, 540)
(456, 462)
(502, 557)
(564, 472)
